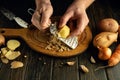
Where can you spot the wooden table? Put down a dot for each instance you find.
(43, 67)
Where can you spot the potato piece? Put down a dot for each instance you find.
(109, 25)
(70, 63)
(119, 32)
(92, 60)
(105, 39)
(64, 32)
(4, 50)
(11, 55)
(4, 60)
(84, 68)
(13, 44)
(16, 64)
(2, 40)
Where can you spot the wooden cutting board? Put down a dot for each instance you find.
(37, 41)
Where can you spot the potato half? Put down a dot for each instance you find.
(64, 32)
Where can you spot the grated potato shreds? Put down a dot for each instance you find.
(55, 44)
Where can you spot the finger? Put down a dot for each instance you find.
(35, 21)
(72, 24)
(81, 24)
(45, 19)
(65, 18)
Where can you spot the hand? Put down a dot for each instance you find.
(75, 12)
(42, 14)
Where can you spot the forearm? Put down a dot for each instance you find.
(84, 3)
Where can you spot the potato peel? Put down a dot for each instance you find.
(70, 63)
(84, 68)
(16, 64)
(92, 60)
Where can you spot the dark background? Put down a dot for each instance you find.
(42, 67)
(19, 7)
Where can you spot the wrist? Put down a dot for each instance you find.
(42, 1)
(84, 3)
(39, 2)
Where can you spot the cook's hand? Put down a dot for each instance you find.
(75, 12)
(42, 14)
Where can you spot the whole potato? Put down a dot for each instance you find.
(105, 39)
(119, 32)
(108, 25)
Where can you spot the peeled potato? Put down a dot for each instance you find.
(4, 60)
(105, 39)
(4, 50)
(13, 44)
(64, 32)
(11, 55)
(109, 25)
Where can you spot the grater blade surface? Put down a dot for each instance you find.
(72, 42)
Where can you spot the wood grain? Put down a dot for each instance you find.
(38, 41)
(38, 66)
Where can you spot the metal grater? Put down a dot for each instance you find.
(72, 42)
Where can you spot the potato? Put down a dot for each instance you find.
(4, 50)
(11, 55)
(70, 63)
(64, 32)
(16, 64)
(84, 68)
(105, 39)
(119, 32)
(4, 60)
(2, 40)
(13, 44)
(108, 25)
